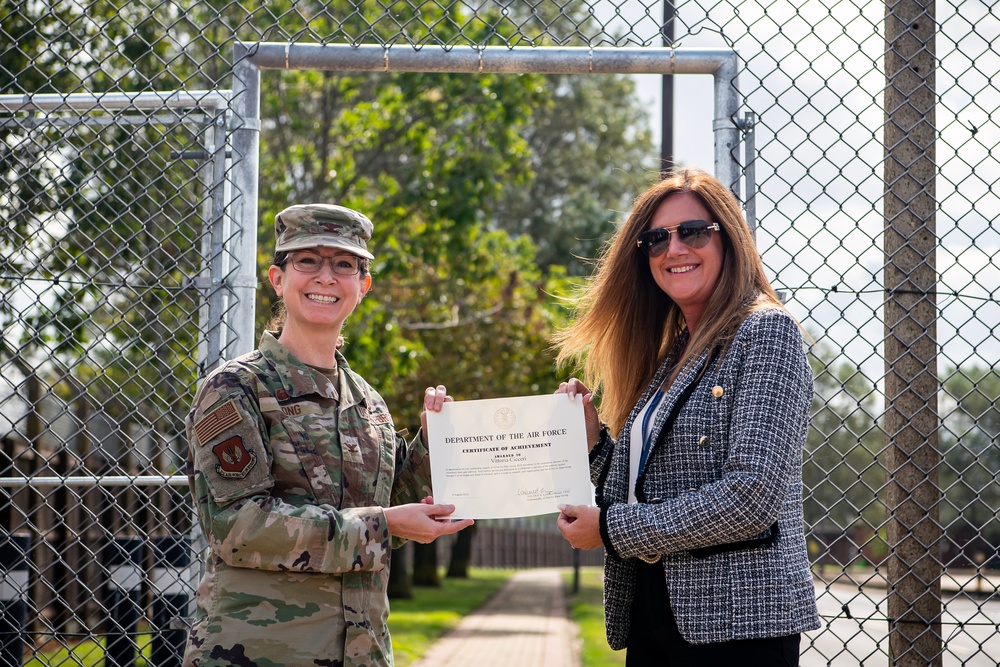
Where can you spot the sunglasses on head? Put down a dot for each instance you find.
(692, 233)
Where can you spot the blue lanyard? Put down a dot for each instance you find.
(647, 439)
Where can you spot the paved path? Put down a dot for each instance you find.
(523, 625)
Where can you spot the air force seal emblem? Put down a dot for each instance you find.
(504, 418)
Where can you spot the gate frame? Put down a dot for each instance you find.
(250, 58)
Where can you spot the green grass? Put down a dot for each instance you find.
(87, 653)
(586, 609)
(415, 624)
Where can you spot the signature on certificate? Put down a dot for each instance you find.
(541, 493)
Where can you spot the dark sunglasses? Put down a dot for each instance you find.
(692, 233)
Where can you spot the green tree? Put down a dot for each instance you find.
(970, 476)
(590, 155)
(841, 473)
(445, 165)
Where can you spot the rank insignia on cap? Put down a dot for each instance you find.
(217, 421)
(235, 460)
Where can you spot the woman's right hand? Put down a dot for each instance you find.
(573, 387)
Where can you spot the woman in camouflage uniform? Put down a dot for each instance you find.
(300, 479)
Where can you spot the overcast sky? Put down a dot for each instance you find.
(813, 73)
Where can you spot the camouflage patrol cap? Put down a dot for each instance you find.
(323, 226)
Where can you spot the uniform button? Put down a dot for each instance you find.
(703, 441)
(718, 391)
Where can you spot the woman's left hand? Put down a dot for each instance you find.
(424, 521)
(434, 400)
(580, 525)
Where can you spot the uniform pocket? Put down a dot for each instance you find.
(315, 448)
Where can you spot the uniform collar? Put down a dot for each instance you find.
(352, 390)
(297, 379)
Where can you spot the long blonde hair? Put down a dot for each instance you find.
(626, 324)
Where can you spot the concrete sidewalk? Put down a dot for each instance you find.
(524, 625)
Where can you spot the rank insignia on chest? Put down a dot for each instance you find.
(351, 449)
(235, 460)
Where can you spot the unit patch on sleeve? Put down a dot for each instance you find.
(235, 460)
(217, 421)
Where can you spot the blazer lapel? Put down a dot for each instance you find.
(673, 401)
(679, 391)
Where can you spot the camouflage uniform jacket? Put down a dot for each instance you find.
(290, 474)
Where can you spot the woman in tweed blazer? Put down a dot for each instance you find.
(704, 380)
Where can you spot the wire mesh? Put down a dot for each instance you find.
(115, 255)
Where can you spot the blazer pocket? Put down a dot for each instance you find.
(767, 539)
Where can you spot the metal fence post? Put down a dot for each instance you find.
(13, 589)
(913, 493)
(124, 558)
(245, 138)
(171, 588)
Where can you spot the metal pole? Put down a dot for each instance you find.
(124, 557)
(722, 64)
(667, 106)
(14, 572)
(750, 170)
(93, 480)
(727, 133)
(245, 140)
(210, 99)
(172, 558)
(913, 493)
(217, 259)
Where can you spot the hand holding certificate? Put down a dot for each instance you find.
(509, 457)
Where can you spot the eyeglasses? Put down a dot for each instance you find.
(692, 233)
(342, 265)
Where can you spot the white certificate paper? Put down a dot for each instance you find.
(510, 457)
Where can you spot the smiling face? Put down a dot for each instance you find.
(318, 302)
(687, 275)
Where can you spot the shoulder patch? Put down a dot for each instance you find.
(217, 421)
(235, 460)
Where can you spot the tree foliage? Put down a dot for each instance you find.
(841, 474)
(444, 164)
(970, 478)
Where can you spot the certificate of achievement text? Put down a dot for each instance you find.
(510, 457)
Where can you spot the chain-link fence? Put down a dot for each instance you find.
(128, 264)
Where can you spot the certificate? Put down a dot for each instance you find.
(510, 457)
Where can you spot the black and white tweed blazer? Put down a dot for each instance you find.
(727, 472)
